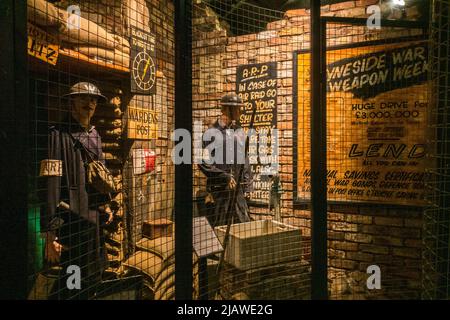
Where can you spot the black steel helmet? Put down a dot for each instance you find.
(85, 88)
(231, 99)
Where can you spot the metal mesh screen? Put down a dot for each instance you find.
(436, 219)
(102, 95)
(376, 123)
(102, 77)
(242, 81)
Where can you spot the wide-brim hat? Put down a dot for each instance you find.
(85, 88)
(232, 100)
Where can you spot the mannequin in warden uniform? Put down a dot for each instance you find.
(75, 212)
(222, 171)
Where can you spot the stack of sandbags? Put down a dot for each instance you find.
(90, 38)
(95, 42)
(43, 13)
(137, 14)
(111, 56)
(107, 13)
(108, 122)
(105, 47)
(88, 33)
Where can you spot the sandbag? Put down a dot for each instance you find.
(112, 56)
(145, 262)
(137, 14)
(164, 288)
(165, 284)
(89, 34)
(163, 246)
(43, 13)
(122, 44)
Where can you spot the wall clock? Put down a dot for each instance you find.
(144, 71)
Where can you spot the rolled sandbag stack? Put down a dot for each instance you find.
(44, 14)
(105, 55)
(97, 36)
(92, 37)
(137, 14)
(109, 125)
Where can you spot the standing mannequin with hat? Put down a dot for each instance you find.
(75, 212)
(222, 174)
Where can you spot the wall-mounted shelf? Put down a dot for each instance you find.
(77, 63)
(67, 54)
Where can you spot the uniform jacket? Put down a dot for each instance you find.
(219, 174)
(64, 143)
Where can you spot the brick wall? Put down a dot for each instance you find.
(359, 235)
(157, 17)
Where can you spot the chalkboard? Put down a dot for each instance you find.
(256, 84)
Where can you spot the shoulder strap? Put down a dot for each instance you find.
(82, 147)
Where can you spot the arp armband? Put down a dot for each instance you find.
(51, 168)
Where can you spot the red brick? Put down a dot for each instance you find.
(374, 249)
(279, 42)
(306, 232)
(302, 213)
(378, 230)
(359, 219)
(342, 6)
(388, 260)
(302, 22)
(415, 223)
(332, 253)
(407, 252)
(275, 25)
(287, 168)
(336, 217)
(341, 245)
(343, 226)
(387, 241)
(395, 222)
(353, 13)
(358, 237)
(359, 256)
(296, 13)
(343, 264)
(415, 243)
(264, 35)
(406, 233)
(336, 235)
(361, 3)
(246, 37)
(287, 82)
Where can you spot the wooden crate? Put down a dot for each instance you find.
(261, 243)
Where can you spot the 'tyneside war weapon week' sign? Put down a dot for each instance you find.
(377, 109)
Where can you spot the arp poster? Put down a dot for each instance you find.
(257, 86)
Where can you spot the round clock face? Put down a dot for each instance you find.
(144, 71)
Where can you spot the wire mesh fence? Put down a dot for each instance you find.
(101, 200)
(242, 102)
(436, 257)
(101, 219)
(376, 165)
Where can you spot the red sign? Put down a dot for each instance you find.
(143, 161)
